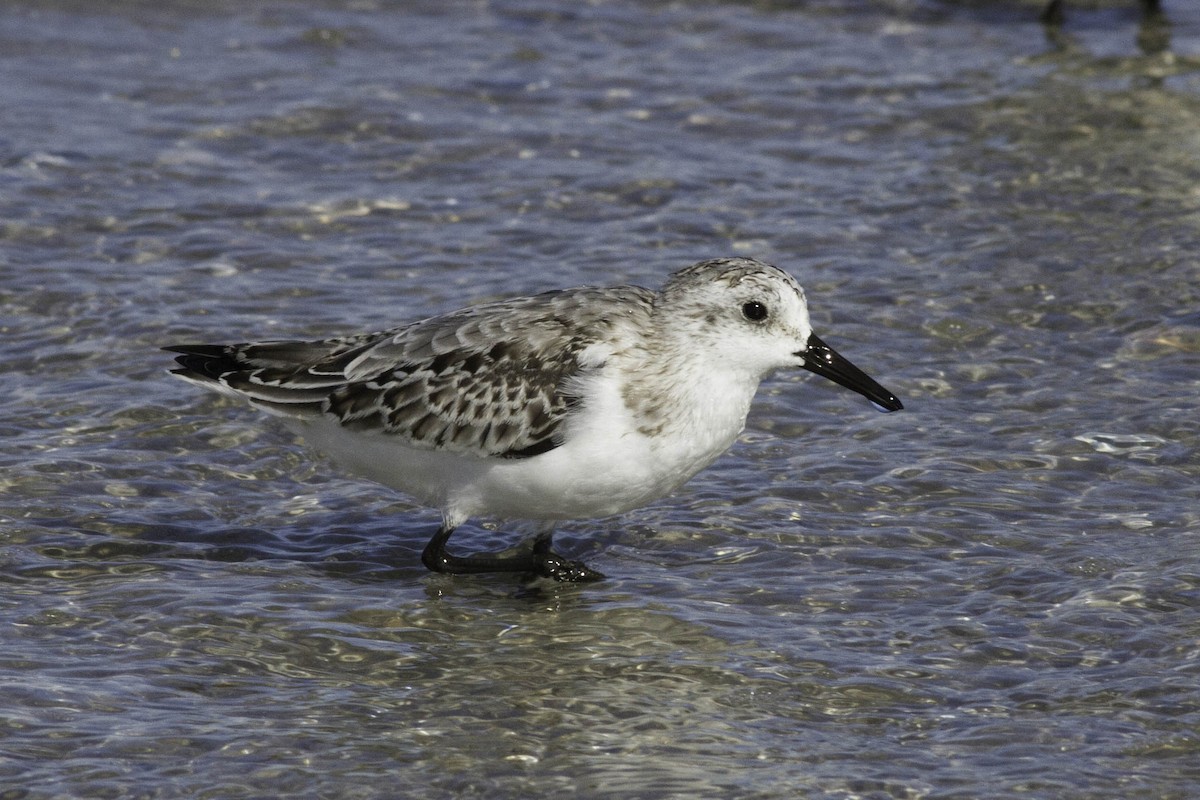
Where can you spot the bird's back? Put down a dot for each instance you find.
(492, 380)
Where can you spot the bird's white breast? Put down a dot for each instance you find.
(610, 461)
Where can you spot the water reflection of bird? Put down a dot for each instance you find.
(1053, 13)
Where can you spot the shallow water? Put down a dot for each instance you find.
(993, 593)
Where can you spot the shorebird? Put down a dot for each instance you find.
(571, 404)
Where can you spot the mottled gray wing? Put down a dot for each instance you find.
(491, 380)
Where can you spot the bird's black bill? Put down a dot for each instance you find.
(826, 362)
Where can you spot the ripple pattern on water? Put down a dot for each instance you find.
(992, 594)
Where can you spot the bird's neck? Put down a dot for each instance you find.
(695, 401)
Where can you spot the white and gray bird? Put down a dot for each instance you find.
(572, 404)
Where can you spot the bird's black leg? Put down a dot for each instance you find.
(436, 558)
(539, 561)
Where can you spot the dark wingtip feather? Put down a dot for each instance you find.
(202, 360)
(211, 350)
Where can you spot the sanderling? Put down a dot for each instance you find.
(572, 404)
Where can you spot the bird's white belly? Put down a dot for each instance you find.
(604, 466)
(579, 480)
(429, 476)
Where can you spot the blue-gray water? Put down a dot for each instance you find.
(993, 593)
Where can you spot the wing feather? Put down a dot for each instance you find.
(493, 380)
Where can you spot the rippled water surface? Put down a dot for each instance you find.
(993, 593)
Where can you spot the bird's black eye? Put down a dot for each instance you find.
(754, 311)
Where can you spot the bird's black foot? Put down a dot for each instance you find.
(540, 561)
(552, 565)
(555, 567)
